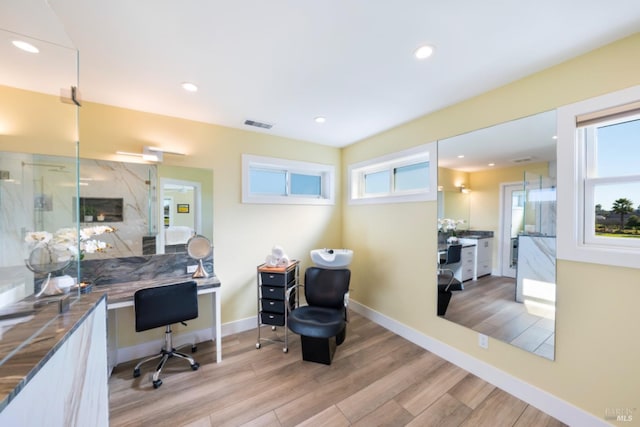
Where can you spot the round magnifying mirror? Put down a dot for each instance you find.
(199, 247)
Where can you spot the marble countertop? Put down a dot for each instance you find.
(26, 348)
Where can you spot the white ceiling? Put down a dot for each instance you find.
(287, 61)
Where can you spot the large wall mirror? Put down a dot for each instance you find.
(120, 195)
(497, 209)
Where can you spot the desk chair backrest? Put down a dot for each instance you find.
(165, 305)
(326, 288)
(453, 255)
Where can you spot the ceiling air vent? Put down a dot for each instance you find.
(258, 124)
(522, 159)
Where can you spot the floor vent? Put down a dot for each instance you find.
(258, 124)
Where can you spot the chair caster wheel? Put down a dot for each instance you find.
(136, 373)
(273, 328)
(257, 345)
(157, 383)
(285, 350)
(195, 366)
(194, 348)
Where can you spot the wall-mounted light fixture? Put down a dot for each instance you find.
(464, 189)
(151, 154)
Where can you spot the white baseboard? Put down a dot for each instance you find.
(239, 326)
(548, 403)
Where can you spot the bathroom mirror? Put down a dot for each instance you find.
(497, 198)
(186, 207)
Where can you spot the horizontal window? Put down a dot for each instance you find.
(405, 176)
(281, 181)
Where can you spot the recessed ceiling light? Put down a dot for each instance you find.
(27, 47)
(189, 87)
(461, 156)
(423, 52)
(491, 164)
(320, 119)
(554, 137)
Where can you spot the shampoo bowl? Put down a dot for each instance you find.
(332, 258)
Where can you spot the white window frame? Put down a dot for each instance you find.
(574, 244)
(423, 153)
(326, 173)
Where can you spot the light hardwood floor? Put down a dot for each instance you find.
(488, 306)
(376, 379)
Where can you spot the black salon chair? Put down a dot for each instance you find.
(322, 323)
(447, 283)
(164, 306)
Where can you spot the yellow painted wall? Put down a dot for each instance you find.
(243, 234)
(597, 354)
(597, 350)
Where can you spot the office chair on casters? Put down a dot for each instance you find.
(322, 323)
(164, 306)
(446, 277)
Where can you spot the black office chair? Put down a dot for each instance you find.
(322, 323)
(447, 283)
(164, 306)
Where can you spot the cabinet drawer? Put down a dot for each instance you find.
(467, 273)
(277, 279)
(272, 292)
(272, 319)
(484, 269)
(272, 306)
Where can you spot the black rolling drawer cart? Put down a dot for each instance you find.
(273, 283)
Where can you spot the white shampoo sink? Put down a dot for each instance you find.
(332, 258)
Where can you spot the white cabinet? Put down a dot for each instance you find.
(484, 258)
(467, 264)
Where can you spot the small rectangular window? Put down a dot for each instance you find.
(377, 182)
(265, 181)
(281, 181)
(404, 176)
(306, 185)
(412, 177)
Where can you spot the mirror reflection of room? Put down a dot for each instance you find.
(496, 200)
(179, 214)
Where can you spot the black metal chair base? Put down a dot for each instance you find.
(318, 350)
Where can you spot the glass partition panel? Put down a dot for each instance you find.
(38, 183)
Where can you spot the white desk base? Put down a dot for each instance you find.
(215, 331)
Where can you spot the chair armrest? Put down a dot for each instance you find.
(287, 295)
(346, 305)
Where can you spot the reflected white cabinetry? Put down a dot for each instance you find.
(482, 258)
(467, 263)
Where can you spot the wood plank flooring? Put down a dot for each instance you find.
(376, 379)
(488, 306)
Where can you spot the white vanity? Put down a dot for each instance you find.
(477, 257)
